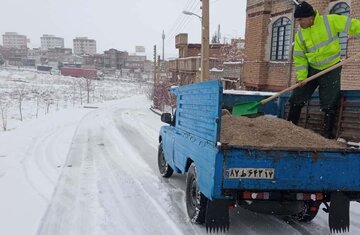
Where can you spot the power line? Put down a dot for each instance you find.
(180, 19)
(183, 20)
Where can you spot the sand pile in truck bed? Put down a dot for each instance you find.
(268, 131)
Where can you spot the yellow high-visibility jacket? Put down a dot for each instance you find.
(319, 45)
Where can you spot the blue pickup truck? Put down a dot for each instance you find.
(283, 181)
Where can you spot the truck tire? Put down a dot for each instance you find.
(309, 212)
(165, 169)
(195, 201)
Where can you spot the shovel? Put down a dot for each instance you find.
(250, 108)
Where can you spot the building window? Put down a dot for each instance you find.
(342, 8)
(280, 39)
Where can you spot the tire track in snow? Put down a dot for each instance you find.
(68, 214)
(40, 171)
(139, 170)
(74, 203)
(59, 215)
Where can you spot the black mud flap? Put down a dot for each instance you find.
(217, 216)
(339, 214)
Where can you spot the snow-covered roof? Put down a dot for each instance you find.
(235, 62)
(242, 92)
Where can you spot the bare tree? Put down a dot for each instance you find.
(88, 88)
(56, 98)
(48, 98)
(37, 95)
(74, 91)
(5, 103)
(20, 94)
(162, 96)
(231, 53)
(2, 60)
(79, 82)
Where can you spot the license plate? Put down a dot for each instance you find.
(250, 173)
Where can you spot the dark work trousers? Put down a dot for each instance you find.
(329, 90)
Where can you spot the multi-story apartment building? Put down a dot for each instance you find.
(2, 59)
(16, 56)
(115, 59)
(135, 63)
(84, 46)
(50, 41)
(36, 54)
(58, 54)
(13, 52)
(270, 29)
(111, 59)
(14, 40)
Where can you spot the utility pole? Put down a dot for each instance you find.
(158, 69)
(163, 38)
(155, 65)
(205, 41)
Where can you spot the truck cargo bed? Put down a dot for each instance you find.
(292, 169)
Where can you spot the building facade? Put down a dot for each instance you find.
(186, 69)
(111, 59)
(84, 46)
(135, 63)
(14, 40)
(15, 56)
(50, 42)
(115, 59)
(270, 23)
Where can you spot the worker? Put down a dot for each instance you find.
(316, 48)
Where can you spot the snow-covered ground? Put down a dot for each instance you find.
(41, 93)
(94, 171)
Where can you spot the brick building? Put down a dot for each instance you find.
(186, 69)
(270, 23)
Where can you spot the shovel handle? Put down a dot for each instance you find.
(264, 101)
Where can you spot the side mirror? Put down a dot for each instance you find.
(166, 117)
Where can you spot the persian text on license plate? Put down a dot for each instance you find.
(250, 173)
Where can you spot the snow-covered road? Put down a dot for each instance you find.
(107, 182)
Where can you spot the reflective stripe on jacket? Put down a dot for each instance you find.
(319, 45)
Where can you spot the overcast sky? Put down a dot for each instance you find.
(120, 24)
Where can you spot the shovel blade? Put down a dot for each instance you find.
(244, 109)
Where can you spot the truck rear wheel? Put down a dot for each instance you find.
(165, 170)
(195, 201)
(309, 212)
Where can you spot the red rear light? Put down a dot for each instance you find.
(309, 196)
(247, 195)
(319, 196)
